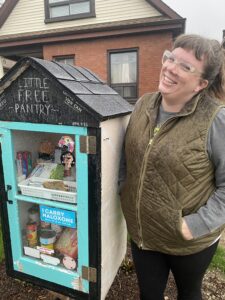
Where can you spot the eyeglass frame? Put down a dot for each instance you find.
(184, 66)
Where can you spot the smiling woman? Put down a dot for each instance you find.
(173, 196)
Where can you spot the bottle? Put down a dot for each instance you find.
(31, 234)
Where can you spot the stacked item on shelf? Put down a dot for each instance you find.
(23, 164)
(47, 181)
(51, 236)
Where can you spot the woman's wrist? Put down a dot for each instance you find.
(186, 231)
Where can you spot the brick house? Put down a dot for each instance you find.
(121, 41)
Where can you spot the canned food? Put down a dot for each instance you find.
(31, 234)
(47, 238)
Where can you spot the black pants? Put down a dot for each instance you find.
(153, 269)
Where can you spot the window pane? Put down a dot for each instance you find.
(129, 92)
(65, 60)
(69, 61)
(59, 11)
(119, 90)
(80, 8)
(55, 1)
(124, 67)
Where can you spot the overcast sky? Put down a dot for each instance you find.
(204, 17)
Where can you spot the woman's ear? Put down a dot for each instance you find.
(203, 83)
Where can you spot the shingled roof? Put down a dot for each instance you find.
(77, 83)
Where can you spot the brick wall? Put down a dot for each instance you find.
(93, 54)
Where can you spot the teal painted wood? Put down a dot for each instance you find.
(10, 179)
(44, 127)
(47, 202)
(26, 264)
(82, 208)
(48, 272)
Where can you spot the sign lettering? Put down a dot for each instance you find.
(33, 96)
(58, 216)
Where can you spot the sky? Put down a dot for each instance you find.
(204, 17)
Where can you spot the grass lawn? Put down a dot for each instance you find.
(218, 261)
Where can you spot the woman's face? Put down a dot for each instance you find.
(177, 84)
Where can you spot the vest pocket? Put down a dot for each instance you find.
(162, 226)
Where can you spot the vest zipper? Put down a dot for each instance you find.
(143, 168)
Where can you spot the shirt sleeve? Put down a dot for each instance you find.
(212, 215)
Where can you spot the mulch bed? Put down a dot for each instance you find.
(124, 286)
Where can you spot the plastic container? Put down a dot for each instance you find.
(34, 187)
(47, 238)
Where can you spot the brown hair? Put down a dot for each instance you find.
(214, 56)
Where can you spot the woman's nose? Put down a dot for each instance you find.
(173, 67)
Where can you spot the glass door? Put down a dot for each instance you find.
(46, 178)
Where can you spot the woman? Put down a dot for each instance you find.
(174, 194)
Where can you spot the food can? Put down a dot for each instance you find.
(47, 238)
(31, 234)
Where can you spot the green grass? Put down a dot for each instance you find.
(218, 261)
(1, 246)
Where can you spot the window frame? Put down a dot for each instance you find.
(123, 85)
(69, 17)
(69, 56)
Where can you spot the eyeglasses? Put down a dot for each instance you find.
(169, 58)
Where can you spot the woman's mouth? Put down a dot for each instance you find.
(168, 80)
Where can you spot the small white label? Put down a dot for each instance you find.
(32, 252)
(50, 260)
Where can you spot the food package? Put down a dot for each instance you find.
(67, 243)
(55, 185)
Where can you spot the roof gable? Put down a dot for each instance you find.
(40, 91)
(159, 5)
(164, 9)
(6, 9)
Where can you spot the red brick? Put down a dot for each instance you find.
(93, 54)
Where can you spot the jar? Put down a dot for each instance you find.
(47, 238)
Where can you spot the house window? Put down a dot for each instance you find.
(66, 59)
(60, 10)
(123, 73)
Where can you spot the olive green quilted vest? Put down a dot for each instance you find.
(170, 177)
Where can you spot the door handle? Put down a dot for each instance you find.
(8, 188)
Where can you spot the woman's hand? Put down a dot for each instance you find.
(185, 231)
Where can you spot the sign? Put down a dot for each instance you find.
(35, 96)
(58, 216)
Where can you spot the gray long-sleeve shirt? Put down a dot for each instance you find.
(212, 215)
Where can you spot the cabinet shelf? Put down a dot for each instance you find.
(72, 207)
